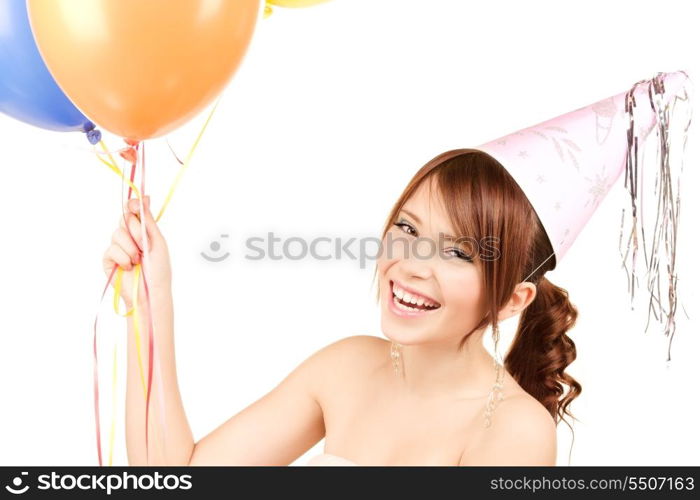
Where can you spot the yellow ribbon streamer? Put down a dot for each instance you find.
(288, 4)
(114, 168)
(184, 166)
(134, 311)
(137, 334)
(118, 287)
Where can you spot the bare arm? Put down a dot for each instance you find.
(178, 442)
(274, 430)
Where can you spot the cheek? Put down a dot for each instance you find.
(462, 294)
(382, 264)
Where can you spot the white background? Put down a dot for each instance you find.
(332, 111)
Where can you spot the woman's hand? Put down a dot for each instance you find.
(126, 250)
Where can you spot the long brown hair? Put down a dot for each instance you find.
(483, 200)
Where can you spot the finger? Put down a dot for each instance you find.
(135, 202)
(134, 205)
(117, 255)
(123, 239)
(151, 225)
(131, 207)
(134, 227)
(126, 211)
(124, 226)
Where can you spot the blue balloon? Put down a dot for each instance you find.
(28, 92)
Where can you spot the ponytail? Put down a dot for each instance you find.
(541, 350)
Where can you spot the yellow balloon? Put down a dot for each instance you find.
(141, 68)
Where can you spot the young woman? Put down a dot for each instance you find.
(462, 250)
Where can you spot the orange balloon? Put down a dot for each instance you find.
(141, 68)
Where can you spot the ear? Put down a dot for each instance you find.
(523, 294)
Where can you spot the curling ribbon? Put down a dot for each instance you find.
(288, 3)
(152, 345)
(131, 154)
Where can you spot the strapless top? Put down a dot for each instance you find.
(329, 459)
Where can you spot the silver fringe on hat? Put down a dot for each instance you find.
(660, 252)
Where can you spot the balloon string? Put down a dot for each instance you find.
(114, 402)
(96, 392)
(134, 312)
(117, 285)
(188, 158)
(121, 150)
(137, 333)
(151, 326)
(130, 154)
(269, 3)
(112, 166)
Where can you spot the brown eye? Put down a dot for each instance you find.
(403, 225)
(460, 254)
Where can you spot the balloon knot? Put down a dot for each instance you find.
(94, 136)
(129, 154)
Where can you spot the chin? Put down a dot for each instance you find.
(403, 335)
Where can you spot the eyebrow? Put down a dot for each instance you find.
(412, 215)
(447, 236)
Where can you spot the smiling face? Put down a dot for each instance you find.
(440, 278)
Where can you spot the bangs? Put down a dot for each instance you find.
(471, 188)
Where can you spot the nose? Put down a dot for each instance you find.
(420, 260)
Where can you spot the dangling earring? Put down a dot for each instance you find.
(395, 356)
(496, 394)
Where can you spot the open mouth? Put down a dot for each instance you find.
(411, 301)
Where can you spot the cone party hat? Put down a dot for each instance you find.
(566, 166)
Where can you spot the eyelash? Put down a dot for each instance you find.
(404, 224)
(459, 253)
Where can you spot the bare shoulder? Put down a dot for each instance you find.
(522, 433)
(356, 351)
(359, 343)
(347, 361)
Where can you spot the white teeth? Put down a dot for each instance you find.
(406, 308)
(407, 297)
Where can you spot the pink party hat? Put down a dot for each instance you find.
(566, 166)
